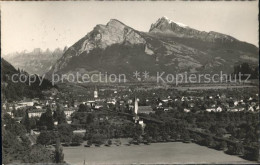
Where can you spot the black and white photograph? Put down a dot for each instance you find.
(129, 82)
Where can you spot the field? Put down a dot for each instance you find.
(157, 153)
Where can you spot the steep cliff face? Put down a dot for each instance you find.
(102, 36)
(168, 46)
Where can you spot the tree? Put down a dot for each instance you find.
(59, 115)
(77, 139)
(59, 156)
(26, 122)
(223, 145)
(19, 113)
(118, 142)
(186, 136)
(38, 154)
(16, 128)
(137, 133)
(89, 142)
(83, 108)
(147, 139)
(237, 149)
(90, 118)
(12, 148)
(45, 138)
(209, 141)
(109, 142)
(46, 120)
(98, 139)
(33, 122)
(65, 133)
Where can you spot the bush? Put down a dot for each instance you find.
(98, 139)
(77, 139)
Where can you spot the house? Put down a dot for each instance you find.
(191, 105)
(29, 103)
(182, 99)
(36, 112)
(145, 109)
(38, 107)
(24, 104)
(131, 107)
(121, 102)
(141, 122)
(233, 110)
(129, 101)
(90, 103)
(80, 132)
(98, 106)
(219, 109)
(186, 110)
(10, 113)
(168, 108)
(210, 109)
(236, 103)
(113, 101)
(165, 100)
(68, 112)
(251, 109)
(241, 108)
(4, 106)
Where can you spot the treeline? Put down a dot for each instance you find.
(17, 138)
(17, 147)
(245, 68)
(239, 130)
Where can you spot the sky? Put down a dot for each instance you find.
(29, 25)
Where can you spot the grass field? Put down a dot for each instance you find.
(157, 153)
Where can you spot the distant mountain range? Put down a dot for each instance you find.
(36, 61)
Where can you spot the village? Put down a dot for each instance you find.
(215, 103)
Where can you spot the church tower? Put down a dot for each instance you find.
(136, 107)
(136, 118)
(95, 93)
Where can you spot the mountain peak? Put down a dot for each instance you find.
(115, 23)
(170, 21)
(164, 23)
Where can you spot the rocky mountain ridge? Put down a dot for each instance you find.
(165, 25)
(37, 61)
(168, 46)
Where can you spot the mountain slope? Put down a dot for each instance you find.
(17, 90)
(168, 46)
